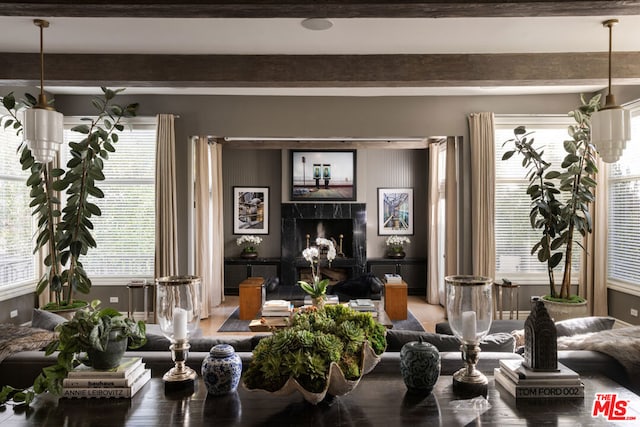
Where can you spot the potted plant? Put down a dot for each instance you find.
(323, 351)
(65, 233)
(317, 289)
(560, 198)
(250, 242)
(396, 246)
(94, 336)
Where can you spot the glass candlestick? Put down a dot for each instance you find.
(178, 307)
(470, 312)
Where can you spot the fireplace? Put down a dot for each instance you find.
(341, 222)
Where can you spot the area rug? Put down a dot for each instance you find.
(234, 324)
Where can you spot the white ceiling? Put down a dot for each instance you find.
(347, 36)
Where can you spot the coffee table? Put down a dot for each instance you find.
(381, 399)
(266, 324)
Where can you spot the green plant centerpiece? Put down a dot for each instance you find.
(90, 336)
(249, 245)
(560, 198)
(323, 352)
(65, 234)
(396, 246)
(317, 289)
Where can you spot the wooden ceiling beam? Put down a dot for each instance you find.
(440, 70)
(317, 8)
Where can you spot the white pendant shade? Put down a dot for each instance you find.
(610, 131)
(43, 132)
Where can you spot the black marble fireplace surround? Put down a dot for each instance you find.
(332, 219)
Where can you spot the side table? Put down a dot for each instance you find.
(252, 296)
(395, 300)
(144, 286)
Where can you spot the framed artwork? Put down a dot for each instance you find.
(250, 210)
(395, 211)
(323, 175)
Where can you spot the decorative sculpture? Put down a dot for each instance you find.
(540, 339)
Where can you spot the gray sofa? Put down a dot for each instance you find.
(20, 369)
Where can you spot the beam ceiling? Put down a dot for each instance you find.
(318, 8)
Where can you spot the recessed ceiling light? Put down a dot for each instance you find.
(316, 24)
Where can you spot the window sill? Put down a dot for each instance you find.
(14, 291)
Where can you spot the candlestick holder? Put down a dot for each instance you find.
(470, 311)
(178, 308)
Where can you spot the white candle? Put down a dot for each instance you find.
(179, 324)
(469, 326)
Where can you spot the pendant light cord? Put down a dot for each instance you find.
(42, 99)
(610, 25)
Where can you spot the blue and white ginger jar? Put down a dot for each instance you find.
(221, 370)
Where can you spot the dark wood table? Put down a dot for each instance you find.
(380, 399)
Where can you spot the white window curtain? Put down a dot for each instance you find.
(209, 231)
(442, 217)
(482, 139)
(166, 252)
(593, 267)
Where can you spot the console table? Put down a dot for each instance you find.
(380, 399)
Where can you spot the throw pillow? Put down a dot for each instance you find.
(583, 325)
(14, 339)
(499, 342)
(44, 319)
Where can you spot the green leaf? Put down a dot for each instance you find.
(9, 101)
(552, 175)
(84, 129)
(507, 155)
(555, 260)
(95, 210)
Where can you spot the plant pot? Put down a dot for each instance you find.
(337, 384)
(564, 310)
(396, 254)
(67, 313)
(111, 356)
(249, 255)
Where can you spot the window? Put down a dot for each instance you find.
(514, 235)
(125, 232)
(17, 263)
(624, 211)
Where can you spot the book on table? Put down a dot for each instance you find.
(276, 308)
(121, 382)
(393, 279)
(362, 305)
(523, 382)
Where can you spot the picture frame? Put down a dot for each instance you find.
(323, 175)
(395, 211)
(250, 210)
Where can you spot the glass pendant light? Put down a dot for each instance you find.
(611, 125)
(42, 125)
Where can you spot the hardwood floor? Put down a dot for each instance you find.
(427, 314)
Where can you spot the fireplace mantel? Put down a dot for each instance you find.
(295, 216)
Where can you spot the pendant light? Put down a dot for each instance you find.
(611, 125)
(43, 129)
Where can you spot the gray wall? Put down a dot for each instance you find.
(317, 117)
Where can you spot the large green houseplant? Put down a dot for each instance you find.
(560, 198)
(65, 234)
(87, 338)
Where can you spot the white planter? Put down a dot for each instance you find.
(563, 310)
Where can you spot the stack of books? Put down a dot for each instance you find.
(121, 382)
(393, 279)
(523, 383)
(276, 308)
(365, 305)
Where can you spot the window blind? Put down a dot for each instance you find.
(514, 235)
(125, 232)
(17, 263)
(624, 211)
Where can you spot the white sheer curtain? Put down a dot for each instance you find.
(442, 217)
(166, 255)
(593, 268)
(209, 239)
(482, 140)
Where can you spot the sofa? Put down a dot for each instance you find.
(20, 369)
